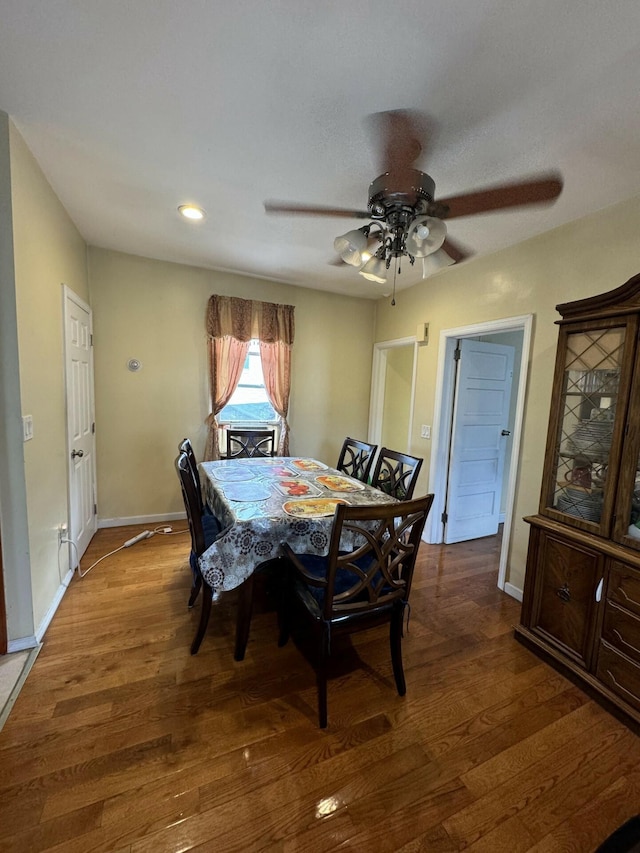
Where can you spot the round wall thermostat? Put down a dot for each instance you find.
(133, 364)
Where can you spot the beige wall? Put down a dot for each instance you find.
(586, 257)
(155, 312)
(48, 251)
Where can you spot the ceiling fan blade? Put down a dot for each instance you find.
(542, 189)
(314, 210)
(400, 139)
(455, 250)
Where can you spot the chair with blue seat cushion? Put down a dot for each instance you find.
(356, 458)
(204, 531)
(185, 446)
(396, 473)
(365, 580)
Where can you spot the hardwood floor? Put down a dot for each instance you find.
(121, 741)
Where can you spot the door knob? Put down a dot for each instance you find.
(506, 432)
(75, 453)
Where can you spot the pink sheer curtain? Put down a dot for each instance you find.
(276, 332)
(231, 324)
(226, 359)
(276, 367)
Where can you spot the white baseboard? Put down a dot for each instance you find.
(42, 627)
(513, 591)
(141, 519)
(22, 644)
(33, 642)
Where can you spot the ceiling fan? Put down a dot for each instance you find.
(406, 218)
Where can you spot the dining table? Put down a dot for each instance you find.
(261, 502)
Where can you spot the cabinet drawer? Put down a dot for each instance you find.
(624, 586)
(620, 674)
(622, 630)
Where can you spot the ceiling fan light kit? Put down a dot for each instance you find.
(402, 205)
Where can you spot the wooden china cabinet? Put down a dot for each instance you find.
(581, 605)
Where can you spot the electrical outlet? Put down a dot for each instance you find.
(425, 432)
(62, 532)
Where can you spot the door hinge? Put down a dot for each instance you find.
(93, 428)
(444, 518)
(95, 509)
(456, 353)
(91, 339)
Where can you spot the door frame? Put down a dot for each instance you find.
(378, 380)
(68, 296)
(443, 413)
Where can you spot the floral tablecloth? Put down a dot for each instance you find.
(261, 503)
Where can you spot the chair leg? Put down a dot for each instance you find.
(207, 595)
(395, 637)
(195, 589)
(321, 678)
(243, 623)
(285, 603)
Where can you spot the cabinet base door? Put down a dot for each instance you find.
(563, 605)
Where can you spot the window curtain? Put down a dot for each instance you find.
(231, 323)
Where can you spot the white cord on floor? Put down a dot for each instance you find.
(104, 556)
(167, 531)
(162, 530)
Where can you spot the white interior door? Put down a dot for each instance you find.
(478, 440)
(78, 338)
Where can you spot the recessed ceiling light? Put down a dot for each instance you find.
(190, 211)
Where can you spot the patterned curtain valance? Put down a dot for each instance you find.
(244, 319)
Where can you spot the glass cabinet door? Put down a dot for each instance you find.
(581, 464)
(627, 507)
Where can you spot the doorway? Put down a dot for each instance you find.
(514, 331)
(392, 393)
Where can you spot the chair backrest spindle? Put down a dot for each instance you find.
(356, 458)
(396, 473)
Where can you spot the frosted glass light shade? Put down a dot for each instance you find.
(438, 260)
(425, 236)
(375, 270)
(350, 246)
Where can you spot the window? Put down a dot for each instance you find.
(249, 402)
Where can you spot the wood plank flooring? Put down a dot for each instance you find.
(121, 741)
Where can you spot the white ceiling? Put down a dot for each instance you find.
(133, 107)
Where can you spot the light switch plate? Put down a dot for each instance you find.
(27, 427)
(425, 432)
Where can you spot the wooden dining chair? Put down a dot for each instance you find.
(356, 458)
(205, 529)
(396, 473)
(364, 581)
(185, 446)
(243, 443)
